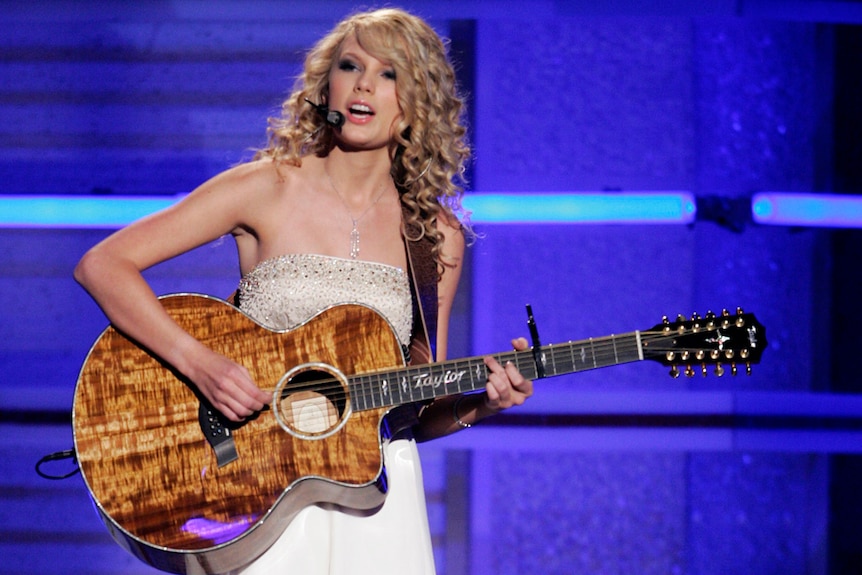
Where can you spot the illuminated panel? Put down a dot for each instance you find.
(592, 208)
(582, 208)
(770, 208)
(77, 211)
(814, 210)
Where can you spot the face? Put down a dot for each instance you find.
(363, 89)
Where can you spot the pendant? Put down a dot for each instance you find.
(354, 241)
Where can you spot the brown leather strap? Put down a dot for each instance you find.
(423, 280)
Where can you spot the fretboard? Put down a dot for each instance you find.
(424, 382)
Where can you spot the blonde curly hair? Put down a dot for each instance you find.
(429, 150)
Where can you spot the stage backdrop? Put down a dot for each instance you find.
(620, 470)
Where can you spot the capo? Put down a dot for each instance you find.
(536, 344)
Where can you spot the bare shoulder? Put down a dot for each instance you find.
(257, 177)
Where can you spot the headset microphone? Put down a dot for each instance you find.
(333, 117)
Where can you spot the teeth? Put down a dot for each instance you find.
(361, 108)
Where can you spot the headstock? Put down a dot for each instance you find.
(724, 341)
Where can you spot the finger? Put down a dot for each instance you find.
(520, 344)
(516, 378)
(248, 394)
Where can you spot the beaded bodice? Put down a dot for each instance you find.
(284, 291)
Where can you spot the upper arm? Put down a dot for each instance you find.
(216, 208)
(452, 257)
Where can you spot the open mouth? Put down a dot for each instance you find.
(361, 110)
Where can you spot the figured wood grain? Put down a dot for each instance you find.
(150, 469)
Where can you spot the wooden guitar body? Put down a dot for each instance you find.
(156, 479)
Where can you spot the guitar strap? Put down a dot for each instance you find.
(422, 270)
(423, 283)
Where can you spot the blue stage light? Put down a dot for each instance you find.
(582, 208)
(526, 208)
(77, 211)
(808, 210)
(769, 208)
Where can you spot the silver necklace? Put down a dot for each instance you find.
(354, 233)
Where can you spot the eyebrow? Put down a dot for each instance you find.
(353, 54)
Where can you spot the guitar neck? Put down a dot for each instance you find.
(424, 382)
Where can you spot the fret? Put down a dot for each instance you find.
(355, 391)
(408, 383)
(517, 360)
(405, 392)
(369, 391)
(571, 347)
(424, 382)
(362, 392)
(458, 384)
(478, 374)
(378, 385)
(383, 389)
(403, 388)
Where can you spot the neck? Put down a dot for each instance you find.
(359, 177)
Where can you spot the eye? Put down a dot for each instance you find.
(347, 65)
(389, 74)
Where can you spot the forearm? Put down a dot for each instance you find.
(132, 307)
(446, 415)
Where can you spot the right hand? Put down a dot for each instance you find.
(228, 386)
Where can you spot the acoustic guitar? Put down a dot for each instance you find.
(187, 491)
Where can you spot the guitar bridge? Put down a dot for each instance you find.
(217, 434)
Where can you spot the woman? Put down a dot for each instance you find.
(335, 209)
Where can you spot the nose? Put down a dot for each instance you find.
(364, 83)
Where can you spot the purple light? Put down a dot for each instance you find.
(218, 531)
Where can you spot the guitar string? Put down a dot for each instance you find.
(561, 353)
(602, 348)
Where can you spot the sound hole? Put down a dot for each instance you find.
(312, 401)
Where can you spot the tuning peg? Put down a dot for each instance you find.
(689, 372)
(747, 369)
(666, 323)
(674, 372)
(703, 369)
(719, 370)
(733, 368)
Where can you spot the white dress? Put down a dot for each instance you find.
(281, 293)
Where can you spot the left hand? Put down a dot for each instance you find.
(506, 386)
